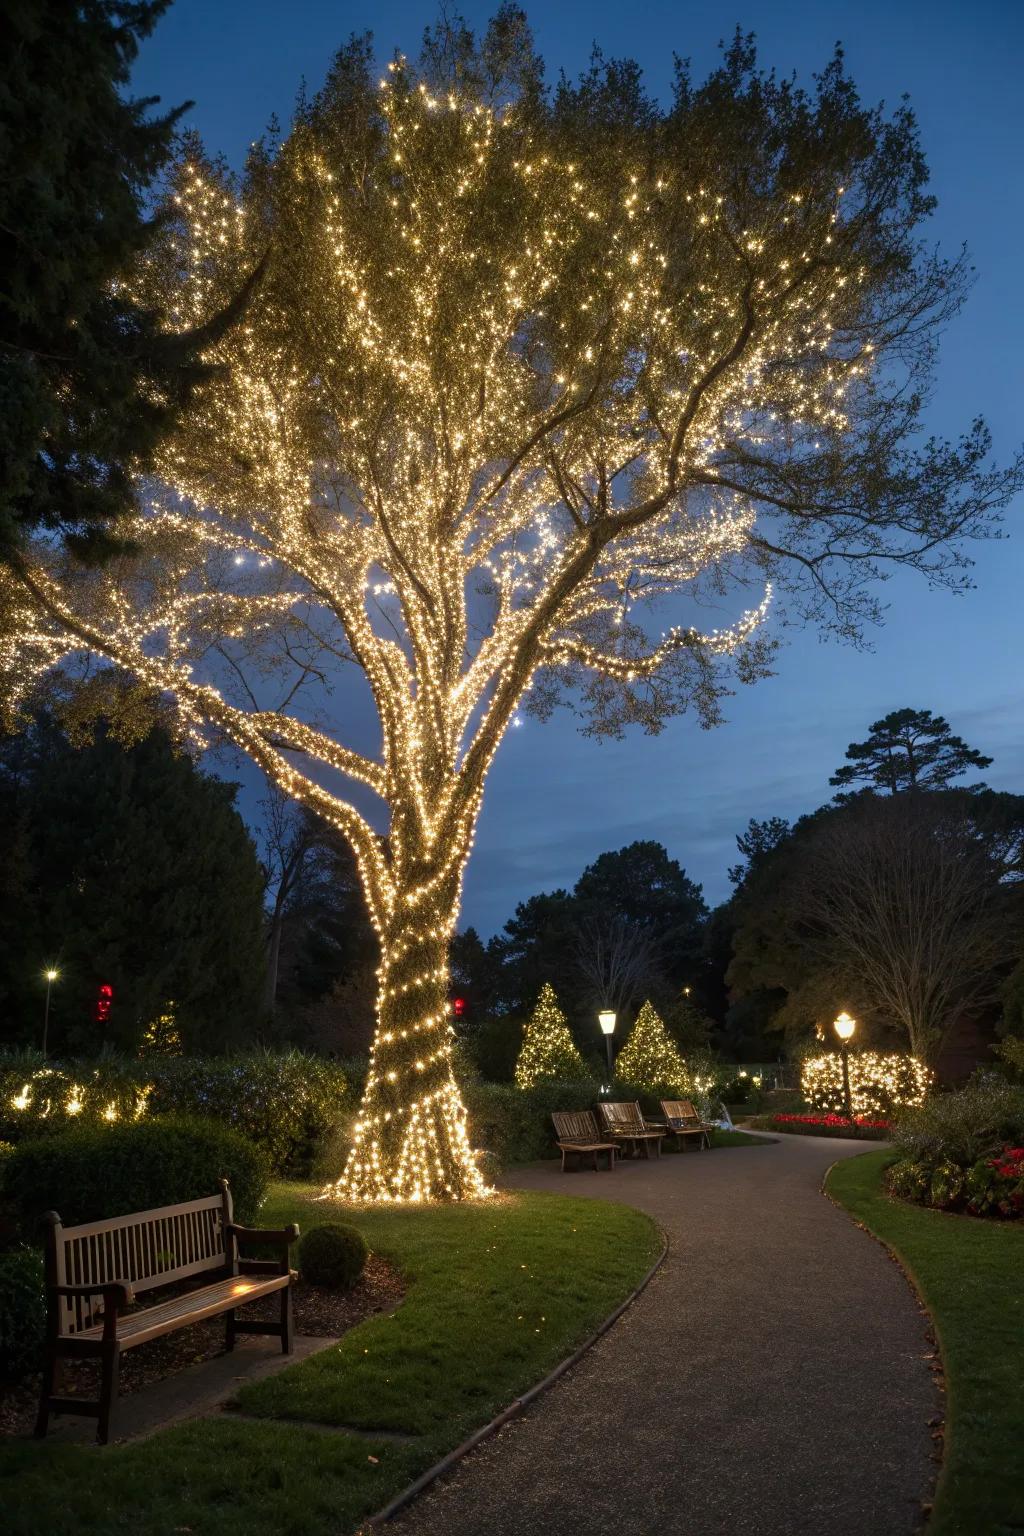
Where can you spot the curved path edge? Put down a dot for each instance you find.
(518, 1405)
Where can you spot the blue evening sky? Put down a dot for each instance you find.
(555, 800)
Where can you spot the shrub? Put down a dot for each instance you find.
(962, 1127)
(515, 1123)
(22, 1313)
(880, 1083)
(89, 1173)
(287, 1102)
(333, 1256)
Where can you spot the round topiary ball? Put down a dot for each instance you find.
(332, 1256)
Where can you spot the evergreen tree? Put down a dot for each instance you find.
(908, 749)
(649, 1058)
(548, 1053)
(90, 380)
(143, 878)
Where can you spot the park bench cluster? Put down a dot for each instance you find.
(95, 1271)
(623, 1129)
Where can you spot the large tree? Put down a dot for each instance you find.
(90, 379)
(527, 374)
(909, 749)
(128, 868)
(905, 909)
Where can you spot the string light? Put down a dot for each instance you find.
(464, 453)
(548, 1054)
(879, 1082)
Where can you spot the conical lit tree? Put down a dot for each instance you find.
(548, 1054)
(528, 378)
(649, 1058)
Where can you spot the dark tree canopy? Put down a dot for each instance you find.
(89, 380)
(903, 910)
(127, 867)
(756, 843)
(908, 749)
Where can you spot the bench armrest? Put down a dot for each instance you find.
(117, 1291)
(256, 1235)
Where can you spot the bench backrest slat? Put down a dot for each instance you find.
(146, 1249)
(622, 1117)
(575, 1125)
(679, 1109)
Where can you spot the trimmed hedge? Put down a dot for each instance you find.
(286, 1101)
(22, 1313)
(515, 1123)
(89, 1173)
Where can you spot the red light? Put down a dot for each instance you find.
(459, 1007)
(104, 999)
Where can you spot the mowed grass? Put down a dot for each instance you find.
(971, 1275)
(498, 1293)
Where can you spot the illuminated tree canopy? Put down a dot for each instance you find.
(531, 381)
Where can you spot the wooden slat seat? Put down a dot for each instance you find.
(95, 1272)
(576, 1134)
(194, 1307)
(626, 1123)
(683, 1122)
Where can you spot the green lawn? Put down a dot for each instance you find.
(971, 1275)
(737, 1139)
(498, 1293)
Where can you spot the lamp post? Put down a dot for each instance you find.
(844, 1027)
(606, 1019)
(51, 977)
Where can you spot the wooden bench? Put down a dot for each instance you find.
(95, 1271)
(629, 1128)
(683, 1121)
(576, 1133)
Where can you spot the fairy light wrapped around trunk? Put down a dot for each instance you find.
(519, 372)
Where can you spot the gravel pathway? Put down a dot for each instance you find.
(771, 1380)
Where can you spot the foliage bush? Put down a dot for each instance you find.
(92, 1172)
(22, 1312)
(515, 1123)
(962, 1127)
(287, 1102)
(964, 1150)
(333, 1256)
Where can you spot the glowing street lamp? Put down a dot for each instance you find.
(51, 977)
(844, 1027)
(606, 1019)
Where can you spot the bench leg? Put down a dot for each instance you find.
(108, 1393)
(49, 1389)
(286, 1320)
(229, 1331)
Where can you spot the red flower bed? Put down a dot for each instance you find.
(1010, 1163)
(834, 1122)
(862, 1127)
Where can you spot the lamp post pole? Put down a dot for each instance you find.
(606, 1019)
(844, 1027)
(51, 977)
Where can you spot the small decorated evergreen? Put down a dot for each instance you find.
(548, 1054)
(649, 1059)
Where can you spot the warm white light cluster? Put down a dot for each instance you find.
(52, 1096)
(405, 463)
(879, 1082)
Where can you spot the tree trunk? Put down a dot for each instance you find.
(410, 1140)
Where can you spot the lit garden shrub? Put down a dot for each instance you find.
(287, 1102)
(548, 1053)
(333, 1256)
(92, 1172)
(880, 1083)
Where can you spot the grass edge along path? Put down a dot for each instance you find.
(498, 1294)
(968, 1273)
